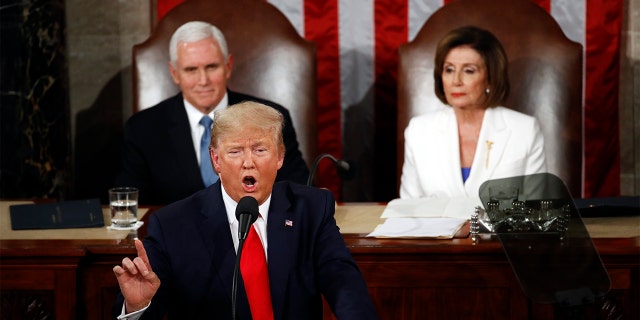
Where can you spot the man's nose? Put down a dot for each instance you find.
(247, 162)
(202, 76)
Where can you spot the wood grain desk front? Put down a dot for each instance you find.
(407, 278)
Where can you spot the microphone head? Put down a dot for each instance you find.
(346, 170)
(247, 205)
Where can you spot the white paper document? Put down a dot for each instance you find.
(430, 208)
(440, 228)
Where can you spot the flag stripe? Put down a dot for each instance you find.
(356, 33)
(294, 11)
(570, 15)
(544, 4)
(357, 61)
(356, 80)
(163, 6)
(419, 11)
(602, 141)
(321, 27)
(391, 31)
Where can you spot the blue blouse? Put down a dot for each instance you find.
(465, 173)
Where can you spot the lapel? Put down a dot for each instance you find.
(216, 235)
(282, 244)
(491, 146)
(446, 139)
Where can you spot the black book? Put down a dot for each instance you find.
(59, 215)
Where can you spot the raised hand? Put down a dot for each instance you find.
(138, 283)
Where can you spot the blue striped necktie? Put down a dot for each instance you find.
(206, 170)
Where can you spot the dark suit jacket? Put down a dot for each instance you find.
(190, 248)
(158, 156)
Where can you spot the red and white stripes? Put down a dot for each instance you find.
(357, 42)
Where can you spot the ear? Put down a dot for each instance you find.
(215, 160)
(280, 157)
(229, 65)
(174, 73)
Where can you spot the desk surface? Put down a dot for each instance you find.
(102, 233)
(352, 218)
(362, 218)
(407, 278)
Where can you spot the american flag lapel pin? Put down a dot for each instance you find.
(288, 223)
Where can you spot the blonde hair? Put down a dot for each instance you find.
(248, 114)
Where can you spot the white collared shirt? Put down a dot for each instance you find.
(194, 115)
(260, 224)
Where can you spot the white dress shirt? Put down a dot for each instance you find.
(260, 224)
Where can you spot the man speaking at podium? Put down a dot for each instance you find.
(186, 265)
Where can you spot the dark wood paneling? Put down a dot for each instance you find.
(407, 279)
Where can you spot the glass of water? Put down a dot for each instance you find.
(123, 202)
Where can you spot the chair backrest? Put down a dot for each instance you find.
(270, 60)
(545, 73)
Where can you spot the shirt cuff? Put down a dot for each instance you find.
(133, 315)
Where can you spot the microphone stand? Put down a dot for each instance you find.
(343, 167)
(246, 214)
(234, 285)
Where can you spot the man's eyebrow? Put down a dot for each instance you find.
(233, 145)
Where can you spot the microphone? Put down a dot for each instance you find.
(247, 214)
(344, 168)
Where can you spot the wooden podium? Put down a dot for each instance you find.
(72, 278)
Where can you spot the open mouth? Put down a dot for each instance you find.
(249, 181)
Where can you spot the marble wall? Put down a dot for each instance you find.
(630, 100)
(49, 127)
(35, 145)
(101, 35)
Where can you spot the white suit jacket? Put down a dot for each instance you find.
(510, 144)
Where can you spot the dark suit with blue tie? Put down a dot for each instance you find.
(190, 248)
(158, 156)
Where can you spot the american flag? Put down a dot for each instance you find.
(357, 42)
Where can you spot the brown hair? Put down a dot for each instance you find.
(492, 53)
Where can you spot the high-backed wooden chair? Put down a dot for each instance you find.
(271, 60)
(545, 73)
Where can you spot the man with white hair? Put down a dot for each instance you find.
(164, 152)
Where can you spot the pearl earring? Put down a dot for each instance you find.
(487, 90)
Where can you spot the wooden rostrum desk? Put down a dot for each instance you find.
(407, 278)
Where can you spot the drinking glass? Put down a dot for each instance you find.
(123, 202)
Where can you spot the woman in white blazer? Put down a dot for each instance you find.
(450, 152)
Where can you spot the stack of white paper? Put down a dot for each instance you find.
(438, 218)
(440, 228)
(430, 208)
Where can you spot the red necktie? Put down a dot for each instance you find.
(253, 266)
